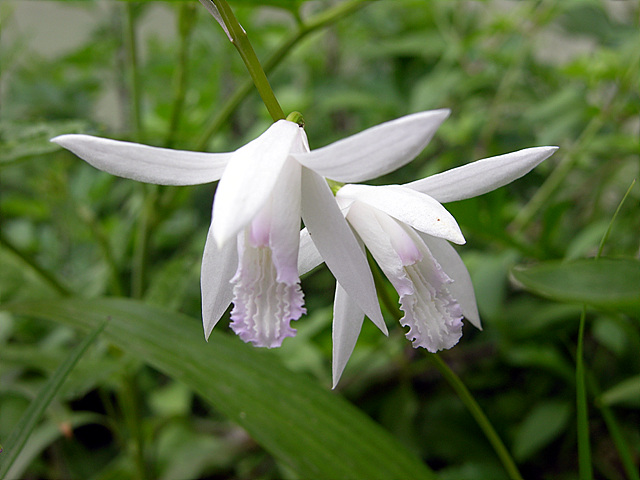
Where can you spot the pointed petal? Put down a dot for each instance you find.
(461, 289)
(481, 176)
(347, 323)
(337, 244)
(250, 177)
(308, 256)
(218, 267)
(146, 164)
(375, 151)
(408, 206)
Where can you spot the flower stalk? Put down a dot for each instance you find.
(481, 419)
(321, 20)
(240, 40)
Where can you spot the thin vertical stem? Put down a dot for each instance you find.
(129, 403)
(321, 20)
(481, 419)
(240, 40)
(584, 447)
(186, 22)
(132, 59)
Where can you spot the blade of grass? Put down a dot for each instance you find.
(29, 419)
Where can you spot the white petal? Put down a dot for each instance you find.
(377, 150)
(461, 289)
(413, 208)
(218, 267)
(285, 222)
(308, 256)
(481, 176)
(250, 177)
(432, 314)
(264, 305)
(347, 323)
(146, 164)
(337, 244)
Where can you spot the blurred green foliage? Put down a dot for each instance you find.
(515, 75)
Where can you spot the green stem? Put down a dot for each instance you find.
(481, 419)
(321, 20)
(455, 382)
(240, 40)
(626, 457)
(143, 234)
(35, 267)
(130, 405)
(186, 22)
(615, 214)
(584, 448)
(86, 215)
(132, 58)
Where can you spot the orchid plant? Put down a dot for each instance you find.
(282, 209)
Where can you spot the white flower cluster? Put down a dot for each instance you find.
(255, 252)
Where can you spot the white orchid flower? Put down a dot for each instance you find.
(408, 231)
(251, 253)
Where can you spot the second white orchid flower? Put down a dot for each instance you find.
(251, 253)
(408, 231)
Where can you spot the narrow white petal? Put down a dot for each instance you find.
(413, 208)
(337, 244)
(284, 237)
(146, 164)
(347, 323)
(377, 150)
(250, 177)
(481, 176)
(218, 267)
(308, 256)
(461, 289)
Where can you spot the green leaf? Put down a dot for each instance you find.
(544, 423)
(29, 419)
(626, 392)
(604, 283)
(308, 428)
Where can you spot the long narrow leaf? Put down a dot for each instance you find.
(312, 430)
(29, 419)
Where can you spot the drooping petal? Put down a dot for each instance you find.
(263, 306)
(267, 293)
(432, 314)
(161, 166)
(377, 150)
(481, 176)
(347, 323)
(337, 244)
(461, 289)
(413, 208)
(308, 256)
(218, 267)
(250, 177)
